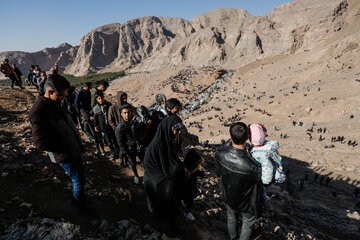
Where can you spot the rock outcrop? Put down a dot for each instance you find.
(228, 37)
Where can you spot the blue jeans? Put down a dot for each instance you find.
(75, 170)
(248, 221)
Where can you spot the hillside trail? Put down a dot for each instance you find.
(34, 188)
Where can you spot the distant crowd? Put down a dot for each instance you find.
(157, 137)
(36, 77)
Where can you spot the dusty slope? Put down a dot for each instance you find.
(35, 204)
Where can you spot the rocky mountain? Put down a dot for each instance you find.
(228, 37)
(46, 58)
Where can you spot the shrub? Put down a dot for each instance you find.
(77, 82)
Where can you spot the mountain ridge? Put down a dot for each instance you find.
(225, 36)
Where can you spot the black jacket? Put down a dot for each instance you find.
(53, 130)
(83, 100)
(94, 92)
(30, 77)
(101, 116)
(69, 104)
(125, 139)
(239, 183)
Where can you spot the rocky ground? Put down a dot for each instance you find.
(35, 193)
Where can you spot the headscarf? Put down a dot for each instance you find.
(162, 154)
(164, 172)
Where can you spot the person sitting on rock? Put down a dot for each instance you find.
(266, 153)
(101, 124)
(239, 182)
(126, 140)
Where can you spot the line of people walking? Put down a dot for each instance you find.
(155, 136)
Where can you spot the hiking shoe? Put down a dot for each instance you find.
(189, 216)
(136, 180)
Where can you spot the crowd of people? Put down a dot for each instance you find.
(155, 135)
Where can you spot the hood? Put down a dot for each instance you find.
(119, 94)
(271, 146)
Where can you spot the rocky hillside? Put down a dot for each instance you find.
(46, 58)
(228, 37)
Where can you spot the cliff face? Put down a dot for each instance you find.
(228, 37)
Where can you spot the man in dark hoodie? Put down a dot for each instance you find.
(173, 107)
(100, 112)
(54, 131)
(114, 114)
(31, 73)
(83, 104)
(126, 139)
(239, 183)
(100, 89)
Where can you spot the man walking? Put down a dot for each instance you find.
(126, 139)
(54, 131)
(83, 104)
(100, 89)
(239, 183)
(18, 73)
(6, 69)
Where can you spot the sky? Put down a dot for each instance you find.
(32, 25)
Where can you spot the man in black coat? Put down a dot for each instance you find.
(100, 89)
(83, 104)
(240, 179)
(126, 140)
(53, 131)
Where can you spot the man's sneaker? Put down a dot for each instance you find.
(189, 216)
(136, 180)
(97, 152)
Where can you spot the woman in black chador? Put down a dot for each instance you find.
(164, 172)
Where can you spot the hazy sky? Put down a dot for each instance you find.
(31, 25)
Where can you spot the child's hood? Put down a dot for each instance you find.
(271, 146)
